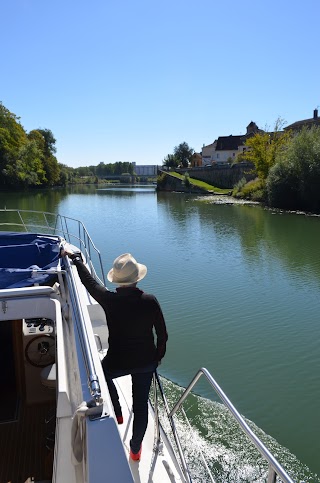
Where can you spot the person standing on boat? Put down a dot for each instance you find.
(131, 317)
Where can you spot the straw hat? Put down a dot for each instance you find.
(126, 270)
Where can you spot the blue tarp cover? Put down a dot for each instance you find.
(21, 253)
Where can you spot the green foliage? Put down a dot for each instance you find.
(161, 179)
(85, 171)
(170, 161)
(110, 169)
(29, 166)
(65, 177)
(183, 153)
(200, 184)
(238, 187)
(187, 180)
(51, 168)
(49, 141)
(282, 186)
(253, 190)
(294, 182)
(181, 156)
(26, 159)
(264, 148)
(12, 138)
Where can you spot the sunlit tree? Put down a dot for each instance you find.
(183, 154)
(170, 161)
(264, 147)
(294, 181)
(46, 142)
(12, 138)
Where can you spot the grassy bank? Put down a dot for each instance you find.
(201, 184)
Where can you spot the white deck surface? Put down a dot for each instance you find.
(153, 466)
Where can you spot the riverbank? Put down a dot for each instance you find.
(219, 199)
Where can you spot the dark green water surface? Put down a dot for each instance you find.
(239, 287)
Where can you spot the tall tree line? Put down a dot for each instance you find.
(27, 159)
(109, 169)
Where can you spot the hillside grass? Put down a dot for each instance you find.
(201, 184)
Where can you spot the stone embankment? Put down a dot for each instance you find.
(172, 183)
(221, 176)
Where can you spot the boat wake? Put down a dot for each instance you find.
(229, 456)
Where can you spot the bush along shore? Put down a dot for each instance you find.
(287, 168)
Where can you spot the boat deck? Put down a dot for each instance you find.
(23, 445)
(156, 464)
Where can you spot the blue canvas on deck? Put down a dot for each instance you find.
(21, 254)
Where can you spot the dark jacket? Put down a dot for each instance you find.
(131, 316)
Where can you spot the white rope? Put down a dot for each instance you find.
(78, 433)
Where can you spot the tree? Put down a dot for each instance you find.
(46, 142)
(27, 169)
(294, 181)
(12, 138)
(83, 171)
(66, 175)
(170, 161)
(52, 170)
(50, 141)
(183, 154)
(264, 148)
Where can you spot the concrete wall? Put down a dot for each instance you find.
(222, 176)
(172, 183)
(145, 169)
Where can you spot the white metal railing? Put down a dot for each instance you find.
(93, 380)
(71, 229)
(275, 469)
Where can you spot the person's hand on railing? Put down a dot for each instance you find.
(67, 252)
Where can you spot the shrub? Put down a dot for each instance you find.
(294, 182)
(161, 179)
(253, 190)
(238, 187)
(282, 187)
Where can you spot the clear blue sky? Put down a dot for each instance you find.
(128, 80)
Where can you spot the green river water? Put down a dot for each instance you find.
(239, 287)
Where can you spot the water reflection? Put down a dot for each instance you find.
(239, 286)
(260, 234)
(38, 200)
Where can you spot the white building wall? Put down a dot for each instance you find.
(224, 156)
(145, 169)
(210, 155)
(207, 153)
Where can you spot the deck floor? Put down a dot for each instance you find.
(24, 456)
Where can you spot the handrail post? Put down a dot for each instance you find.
(272, 475)
(156, 411)
(185, 468)
(185, 394)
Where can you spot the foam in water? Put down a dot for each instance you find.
(229, 455)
